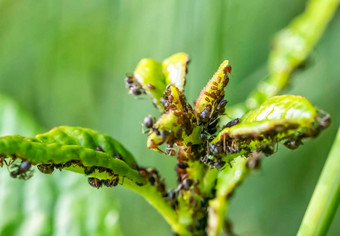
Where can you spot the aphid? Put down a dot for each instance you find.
(164, 134)
(172, 195)
(25, 166)
(179, 132)
(14, 173)
(219, 164)
(150, 86)
(232, 123)
(254, 161)
(68, 164)
(213, 95)
(2, 160)
(205, 114)
(215, 148)
(102, 169)
(171, 151)
(129, 81)
(220, 108)
(46, 168)
(119, 157)
(148, 122)
(99, 149)
(292, 144)
(111, 182)
(266, 150)
(207, 161)
(143, 172)
(94, 182)
(187, 183)
(203, 136)
(182, 165)
(152, 179)
(135, 91)
(89, 170)
(164, 102)
(22, 171)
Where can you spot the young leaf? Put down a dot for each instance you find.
(88, 138)
(152, 77)
(175, 68)
(149, 75)
(212, 94)
(177, 124)
(76, 149)
(290, 118)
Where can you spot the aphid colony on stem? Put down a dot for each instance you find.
(192, 134)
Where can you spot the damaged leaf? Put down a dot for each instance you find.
(282, 118)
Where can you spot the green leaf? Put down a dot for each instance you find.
(175, 69)
(289, 118)
(153, 77)
(149, 75)
(213, 93)
(87, 138)
(74, 149)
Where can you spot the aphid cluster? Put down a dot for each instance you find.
(134, 87)
(88, 170)
(178, 114)
(49, 168)
(98, 183)
(154, 179)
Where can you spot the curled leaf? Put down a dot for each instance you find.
(175, 69)
(152, 77)
(76, 149)
(289, 118)
(149, 75)
(89, 139)
(208, 105)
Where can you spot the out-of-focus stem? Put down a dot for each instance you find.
(326, 196)
(291, 47)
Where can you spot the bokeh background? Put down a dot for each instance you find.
(65, 61)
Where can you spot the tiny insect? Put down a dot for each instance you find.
(94, 182)
(99, 149)
(187, 183)
(148, 122)
(46, 168)
(150, 86)
(111, 182)
(232, 123)
(89, 170)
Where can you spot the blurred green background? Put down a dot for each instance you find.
(65, 61)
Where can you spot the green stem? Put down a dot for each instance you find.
(326, 196)
(155, 199)
(227, 181)
(209, 180)
(149, 192)
(292, 45)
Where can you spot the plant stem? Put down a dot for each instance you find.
(227, 180)
(326, 196)
(292, 45)
(149, 192)
(154, 197)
